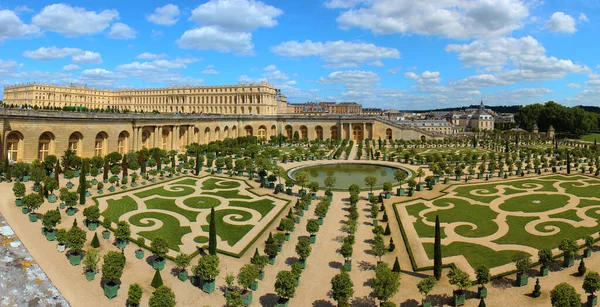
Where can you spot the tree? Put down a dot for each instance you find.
(182, 261)
(112, 268)
(162, 297)
(483, 275)
(92, 214)
(91, 259)
(581, 269)
(50, 184)
(386, 283)
(303, 248)
(50, 219)
(159, 247)
(569, 247)
(134, 294)
(123, 231)
(312, 226)
(32, 201)
(342, 288)
(212, 233)
(208, 267)
(329, 182)
(420, 173)
(545, 257)
(247, 275)
(285, 284)
(522, 262)
(95, 242)
(18, 189)
(378, 247)
(259, 260)
(75, 239)
(302, 179)
(399, 175)
(371, 181)
(591, 282)
(425, 286)
(396, 267)
(82, 188)
(564, 295)
(437, 250)
(459, 278)
(536, 289)
(156, 279)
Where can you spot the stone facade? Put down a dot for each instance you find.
(28, 135)
(246, 98)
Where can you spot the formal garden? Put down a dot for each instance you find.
(180, 210)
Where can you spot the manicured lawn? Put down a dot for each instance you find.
(118, 207)
(201, 202)
(169, 205)
(534, 203)
(217, 183)
(263, 206)
(591, 137)
(170, 230)
(188, 181)
(229, 194)
(178, 191)
(227, 232)
(477, 255)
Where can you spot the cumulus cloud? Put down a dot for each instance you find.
(73, 21)
(561, 22)
(425, 77)
(583, 17)
(78, 56)
(71, 67)
(210, 71)
(337, 52)
(151, 56)
(121, 31)
(354, 80)
(343, 4)
(448, 18)
(165, 16)
(11, 26)
(214, 38)
(573, 85)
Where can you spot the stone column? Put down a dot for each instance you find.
(364, 127)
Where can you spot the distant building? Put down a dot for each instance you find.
(480, 119)
(324, 107)
(373, 111)
(435, 125)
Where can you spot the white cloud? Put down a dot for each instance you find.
(583, 17)
(393, 71)
(166, 15)
(449, 18)
(426, 77)
(337, 52)
(272, 74)
(142, 68)
(210, 71)
(214, 38)
(236, 15)
(73, 21)
(121, 31)
(478, 81)
(8, 67)
(573, 85)
(78, 56)
(23, 9)
(151, 56)
(343, 4)
(497, 52)
(377, 63)
(71, 67)
(354, 80)
(156, 34)
(99, 77)
(11, 26)
(561, 22)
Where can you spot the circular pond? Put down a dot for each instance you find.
(348, 173)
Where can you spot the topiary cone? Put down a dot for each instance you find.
(156, 280)
(95, 241)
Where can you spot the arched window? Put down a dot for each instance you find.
(122, 142)
(249, 130)
(100, 144)
(13, 142)
(44, 145)
(388, 134)
(289, 132)
(303, 132)
(75, 142)
(319, 132)
(334, 132)
(145, 139)
(262, 132)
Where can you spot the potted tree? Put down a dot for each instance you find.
(303, 250)
(261, 262)
(112, 270)
(90, 263)
(462, 281)
(314, 188)
(285, 287)
(271, 249)
(19, 191)
(32, 202)
(346, 252)
(61, 237)
(302, 181)
(387, 189)
(122, 233)
(159, 247)
(70, 200)
(545, 259)
(182, 261)
(321, 211)
(312, 226)
(289, 184)
(207, 269)
(385, 284)
(50, 219)
(483, 277)
(370, 181)
(92, 216)
(330, 183)
(230, 288)
(279, 239)
(287, 225)
(411, 187)
(75, 240)
(139, 253)
(247, 280)
(50, 185)
(134, 295)
(569, 248)
(342, 288)
(100, 186)
(106, 224)
(425, 286)
(591, 284)
(589, 242)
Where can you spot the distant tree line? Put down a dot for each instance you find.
(565, 120)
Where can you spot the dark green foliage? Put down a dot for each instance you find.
(536, 289)
(396, 267)
(157, 280)
(82, 186)
(481, 302)
(437, 250)
(212, 234)
(391, 246)
(581, 269)
(95, 241)
(387, 231)
(385, 217)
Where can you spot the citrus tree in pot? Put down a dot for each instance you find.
(569, 248)
(545, 259)
(50, 185)
(75, 240)
(591, 284)
(425, 286)
(32, 202)
(19, 191)
(346, 252)
(483, 277)
(122, 233)
(247, 280)
(70, 200)
(303, 250)
(134, 295)
(139, 253)
(386, 282)
(588, 243)
(159, 247)
(92, 215)
(106, 232)
(285, 287)
(50, 219)
(312, 226)
(261, 262)
(208, 270)
(182, 261)
(61, 237)
(112, 270)
(342, 288)
(90, 263)
(462, 281)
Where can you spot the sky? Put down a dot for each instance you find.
(391, 54)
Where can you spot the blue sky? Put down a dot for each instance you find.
(401, 54)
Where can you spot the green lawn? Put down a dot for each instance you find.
(171, 230)
(227, 232)
(476, 255)
(591, 137)
(263, 206)
(229, 194)
(160, 191)
(217, 183)
(169, 205)
(201, 202)
(118, 207)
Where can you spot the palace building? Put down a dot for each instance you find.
(168, 118)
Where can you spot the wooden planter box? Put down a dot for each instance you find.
(111, 289)
(592, 300)
(459, 297)
(544, 270)
(568, 261)
(158, 264)
(139, 253)
(482, 292)
(106, 234)
(522, 279)
(208, 286)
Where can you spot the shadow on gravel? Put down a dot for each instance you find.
(363, 301)
(335, 264)
(322, 303)
(268, 300)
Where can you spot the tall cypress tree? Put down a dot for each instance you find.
(198, 164)
(57, 172)
(82, 186)
(568, 162)
(106, 170)
(437, 250)
(212, 234)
